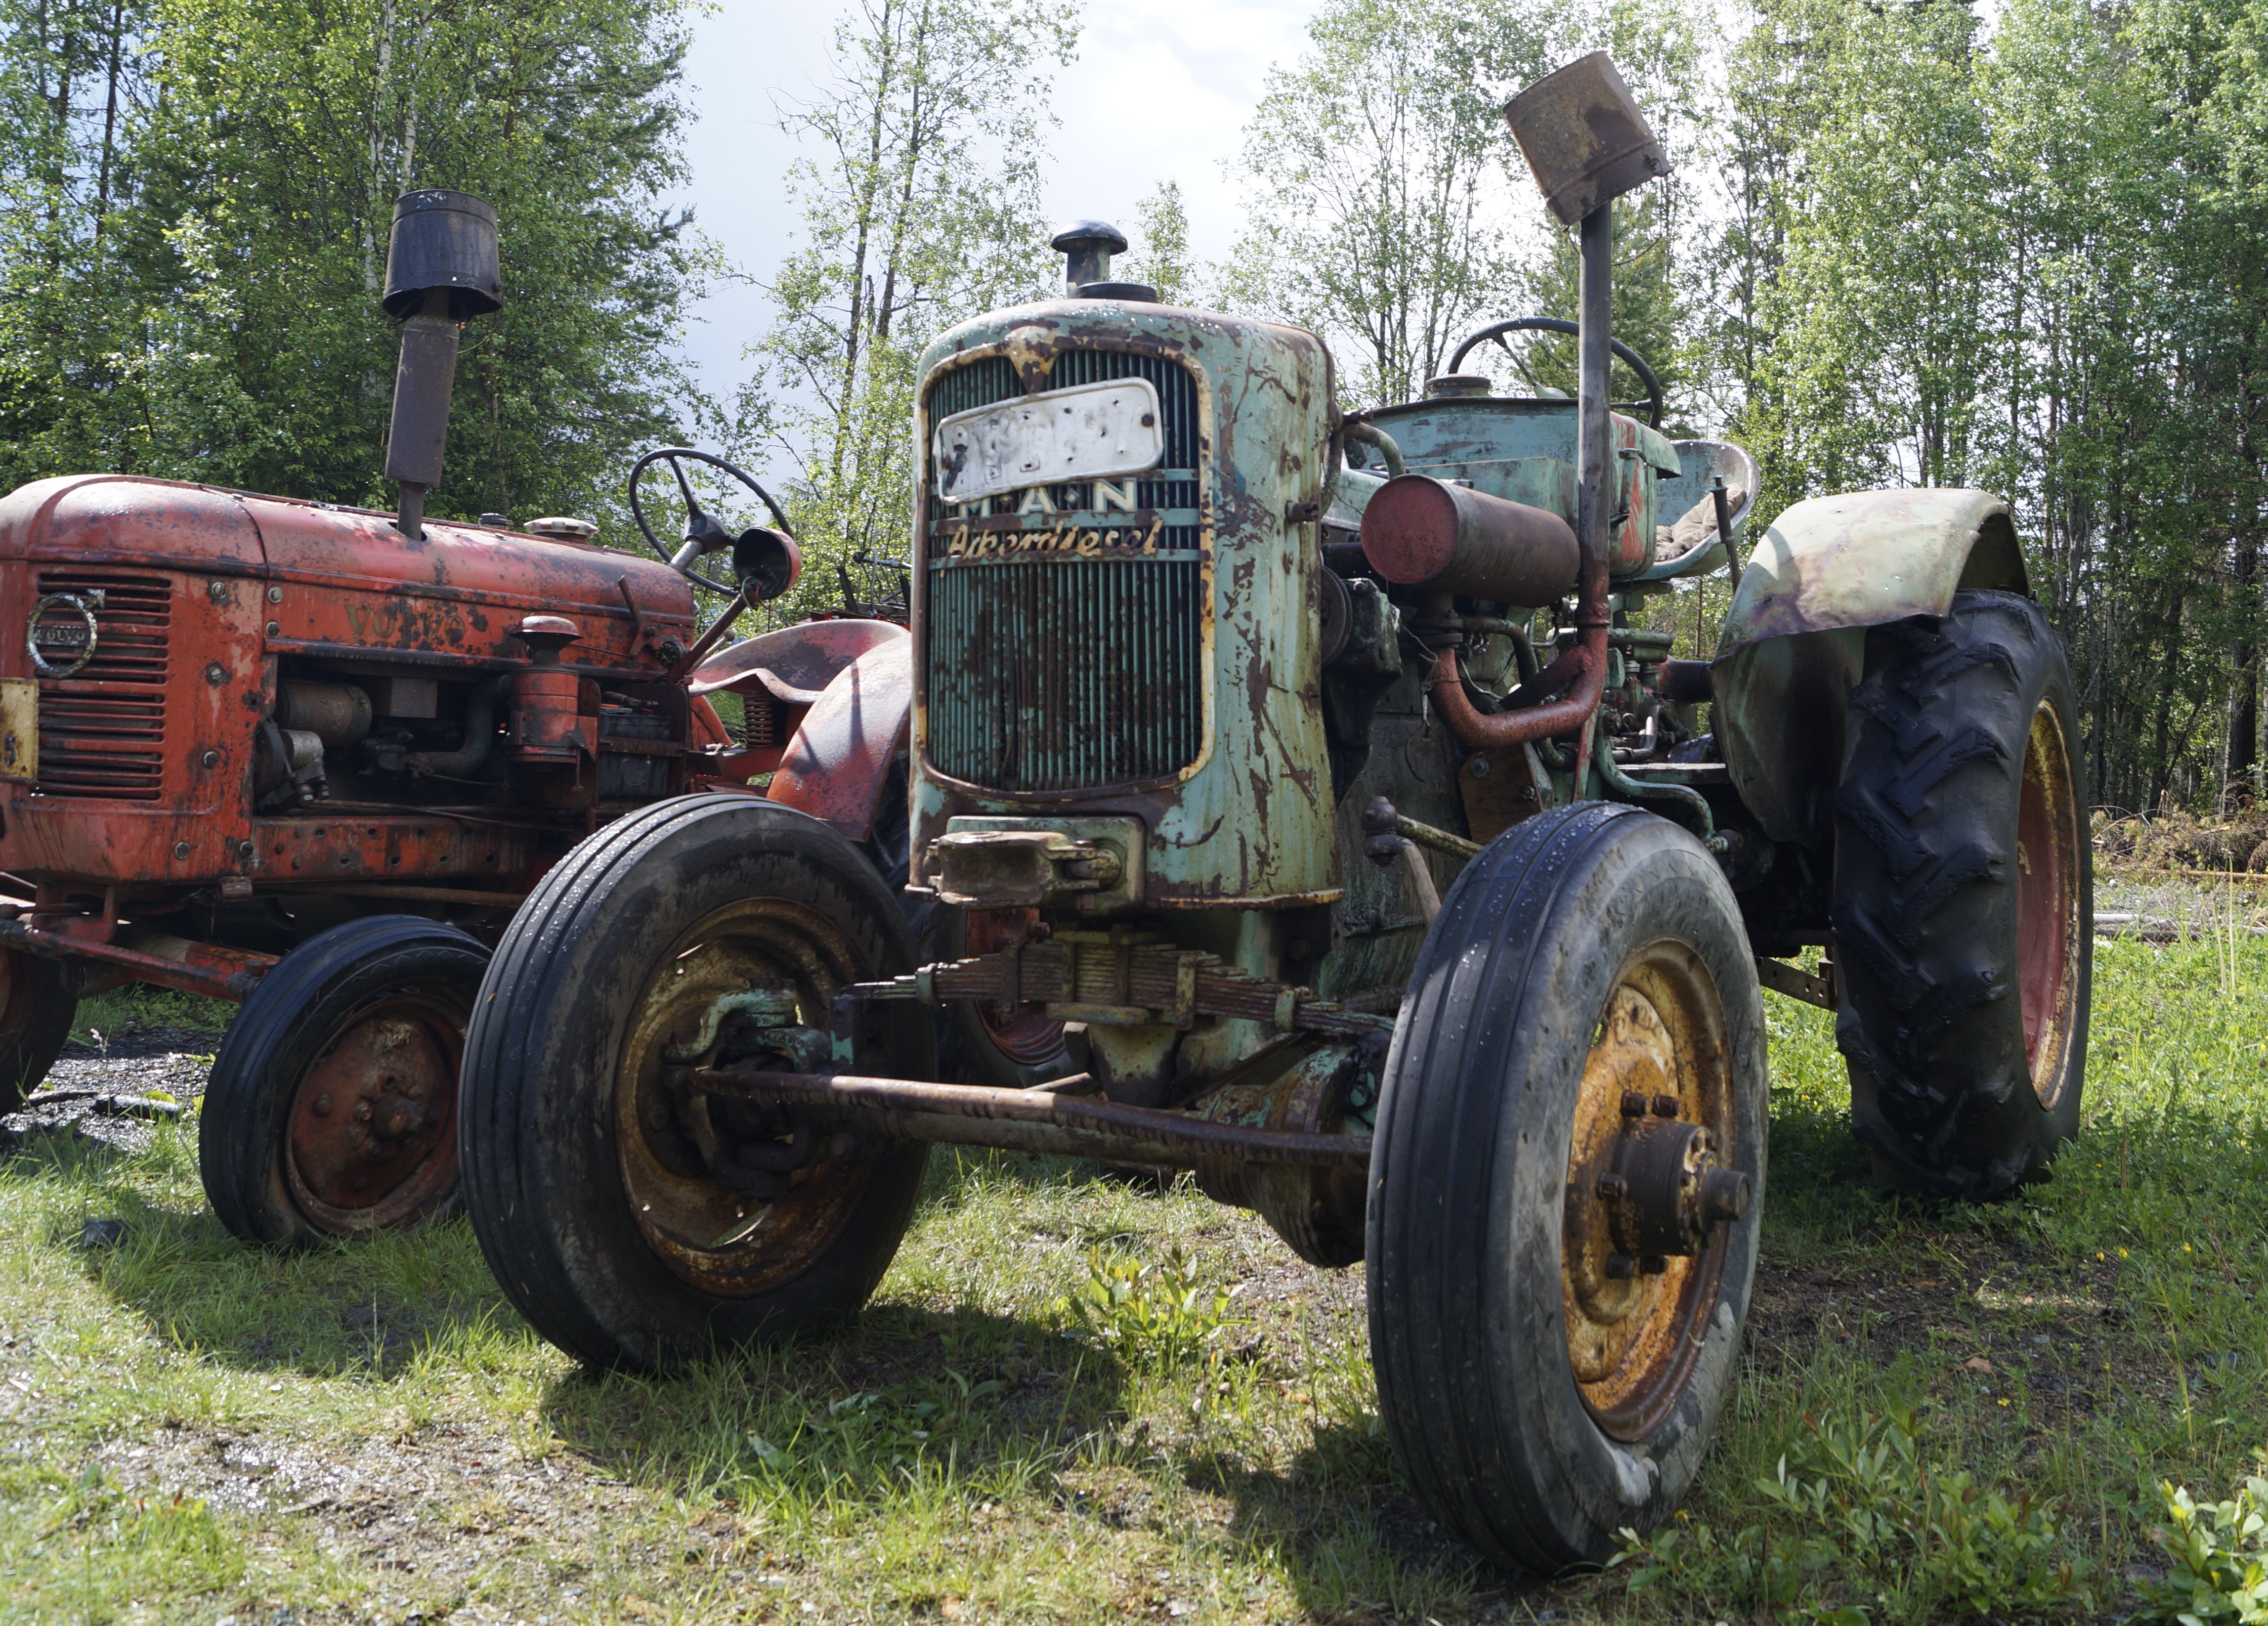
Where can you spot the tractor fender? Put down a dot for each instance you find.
(838, 766)
(1795, 643)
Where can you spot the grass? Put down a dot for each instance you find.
(1079, 1398)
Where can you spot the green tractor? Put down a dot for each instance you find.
(1300, 799)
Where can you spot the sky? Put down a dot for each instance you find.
(1161, 92)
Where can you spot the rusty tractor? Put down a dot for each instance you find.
(311, 758)
(1322, 817)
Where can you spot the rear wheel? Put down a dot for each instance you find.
(1566, 1185)
(1964, 901)
(634, 1222)
(36, 1007)
(332, 1107)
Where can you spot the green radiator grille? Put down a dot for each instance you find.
(1065, 673)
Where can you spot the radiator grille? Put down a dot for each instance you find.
(102, 730)
(1067, 673)
(1073, 673)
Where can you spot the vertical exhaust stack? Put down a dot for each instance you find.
(441, 271)
(1587, 144)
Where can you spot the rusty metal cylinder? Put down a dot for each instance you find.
(338, 713)
(1420, 532)
(1584, 137)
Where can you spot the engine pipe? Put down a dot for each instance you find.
(1584, 667)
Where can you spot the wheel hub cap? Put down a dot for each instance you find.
(371, 1139)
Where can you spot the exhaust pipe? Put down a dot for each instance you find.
(1587, 144)
(441, 271)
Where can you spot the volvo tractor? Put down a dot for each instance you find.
(1315, 808)
(311, 758)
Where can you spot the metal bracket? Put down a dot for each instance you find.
(1797, 983)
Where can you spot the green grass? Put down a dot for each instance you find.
(1051, 1413)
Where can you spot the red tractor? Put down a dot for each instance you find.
(311, 758)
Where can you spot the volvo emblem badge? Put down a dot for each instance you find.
(61, 646)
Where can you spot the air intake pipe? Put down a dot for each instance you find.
(1587, 144)
(441, 271)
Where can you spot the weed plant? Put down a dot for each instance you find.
(1079, 1396)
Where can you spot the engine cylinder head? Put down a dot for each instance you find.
(1420, 532)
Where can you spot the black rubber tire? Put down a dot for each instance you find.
(1469, 1181)
(35, 1023)
(285, 1027)
(1925, 913)
(538, 1138)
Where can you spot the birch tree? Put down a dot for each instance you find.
(918, 204)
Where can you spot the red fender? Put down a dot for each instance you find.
(791, 664)
(838, 763)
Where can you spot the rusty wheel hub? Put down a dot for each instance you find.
(372, 1128)
(1650, 1187)
(2048, 858)
(734, 1198)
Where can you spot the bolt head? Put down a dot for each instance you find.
(275, 595)
(211, 759)
(1665, 1105)
(217, 590)
(181, 851)
(1620, 1268)
(215, 674)
(322, 1107)
(1633, 1104)
(1652, 1264)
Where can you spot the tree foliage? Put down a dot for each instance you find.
(194, 202)
(918, 206)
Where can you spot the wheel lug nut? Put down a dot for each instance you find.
(1633, 1104)
(1652, 1264)
(1612, 1186)
(1620, 1268)
(322, 1106)
(1665, 1105)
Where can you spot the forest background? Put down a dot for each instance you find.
(1905, 244)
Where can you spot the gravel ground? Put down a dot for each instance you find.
(103, 1093)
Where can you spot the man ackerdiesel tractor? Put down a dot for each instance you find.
(311, 758)
(1351, 834)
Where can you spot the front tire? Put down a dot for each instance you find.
(36, 1007)
(1964, 901)
(616, 1214)
(332, 1107)
(1543, 1389)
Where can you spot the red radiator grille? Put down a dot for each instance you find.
(102, 730)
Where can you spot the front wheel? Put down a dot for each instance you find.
(36, 1006)
(1964, 901)
(635, 1222)
(1566, 1185)
(332, 1107)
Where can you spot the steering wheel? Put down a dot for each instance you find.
(1560, 324)
(699, 526)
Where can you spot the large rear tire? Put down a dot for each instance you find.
(1964, 901)
(36, 1007)
(1542, 1388)
(622, 1214)
(332, 1107)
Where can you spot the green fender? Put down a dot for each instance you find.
(1795, 643)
